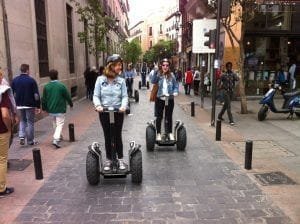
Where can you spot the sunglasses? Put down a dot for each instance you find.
(165, 65)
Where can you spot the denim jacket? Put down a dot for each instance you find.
(172, 84)
(110, 94)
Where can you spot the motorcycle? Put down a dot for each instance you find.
(291, 103)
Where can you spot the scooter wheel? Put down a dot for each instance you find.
(136, 167)
(148, 85)
(150, 138)
(181, 139)
(92, 168)
(136, 96)
(262, 113)
(140, 84)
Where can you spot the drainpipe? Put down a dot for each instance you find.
(7, 43)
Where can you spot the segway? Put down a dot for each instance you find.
(141, 85)
(179, 135)
(94, 162)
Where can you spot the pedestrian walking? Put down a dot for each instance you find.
(188, 77)
(129, 77)
(6, 127)
(197, 79)
(27, 98)
(111, 91)
(167, 87)
(86, 82)
(292, 74)
(227, 85)
(54, 101)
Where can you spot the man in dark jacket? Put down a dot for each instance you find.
(54, 101)
(28, 104)
(227, 85)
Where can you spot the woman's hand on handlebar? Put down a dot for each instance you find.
(122, 109)
(99, 109)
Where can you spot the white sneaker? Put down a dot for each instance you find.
(158, 137)
(122, 164)
(107, 165)
(171, 137)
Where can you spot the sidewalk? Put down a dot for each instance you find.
(275, 146)
(24, 182)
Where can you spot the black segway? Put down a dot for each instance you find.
(179, 135)
(94, 163)
(141, 85)
(135, 96)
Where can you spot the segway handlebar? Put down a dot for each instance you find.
(110, 109)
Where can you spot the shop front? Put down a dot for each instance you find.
(271, 42)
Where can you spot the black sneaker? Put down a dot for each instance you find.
(56, 144)
(22, 141)
(7, 191)
(33, 143)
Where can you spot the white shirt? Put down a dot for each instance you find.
(292, 71)
(165, 87)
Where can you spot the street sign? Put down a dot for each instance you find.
(200, 27)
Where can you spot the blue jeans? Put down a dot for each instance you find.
(27, 121)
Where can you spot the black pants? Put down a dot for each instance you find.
(196, 87)
(129, 84)
(143, 78)
(188, 88)
(104, 120)
(227, 106)
(159, 110)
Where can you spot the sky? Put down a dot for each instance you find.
(141, 8)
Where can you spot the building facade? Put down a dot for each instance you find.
(43, 34)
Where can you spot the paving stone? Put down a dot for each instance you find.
(200, 185)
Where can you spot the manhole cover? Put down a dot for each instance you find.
(18, 165)
(274, 178)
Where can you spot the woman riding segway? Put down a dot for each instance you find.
(167, 88)
(110, 91)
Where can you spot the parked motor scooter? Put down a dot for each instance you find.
(291, 104)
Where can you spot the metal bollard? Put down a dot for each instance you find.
(71, 133)
(37, 164)
(248, 155)
(193, 109)
(218, 130)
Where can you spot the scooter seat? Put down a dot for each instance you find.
(288, 95)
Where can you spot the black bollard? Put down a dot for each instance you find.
(37, 164)
(71, 133)
(218, 130)
(193, 109)
(248, 155)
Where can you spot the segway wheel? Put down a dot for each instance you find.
(181, 139)
(140, 84)
(150, 138)
(262, 113)
(136, 96)
(92, 168)
(148, 85)
(136, 167)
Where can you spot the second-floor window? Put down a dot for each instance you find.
(160, 29)
(70, 39)
(150, 31)
(41, 33)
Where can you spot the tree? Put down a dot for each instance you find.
(132, 51)
(242, 12)
(149, 57)
(96, 25)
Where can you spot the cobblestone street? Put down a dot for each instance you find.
(200, 185)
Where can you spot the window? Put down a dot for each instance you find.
(150, 31)
(160, 29)
(70, 39)
(150, 43)
(41, 33)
